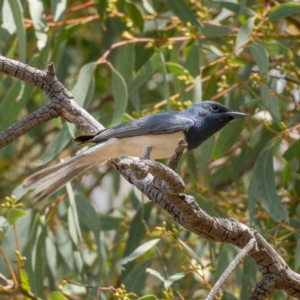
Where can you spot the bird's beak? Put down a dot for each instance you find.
(236, 115)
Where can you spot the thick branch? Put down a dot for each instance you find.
(186, 211)
(158, 182)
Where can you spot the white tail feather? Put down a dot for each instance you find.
(53, 178)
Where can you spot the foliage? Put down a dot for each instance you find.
(126, 59)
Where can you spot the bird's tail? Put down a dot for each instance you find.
(51, 179)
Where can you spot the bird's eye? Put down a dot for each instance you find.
(214, 107)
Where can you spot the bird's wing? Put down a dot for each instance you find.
(163, 123)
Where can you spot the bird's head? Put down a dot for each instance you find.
(209, 117)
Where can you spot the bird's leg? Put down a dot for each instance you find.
(147, 151)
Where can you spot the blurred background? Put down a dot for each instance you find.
(124, 60)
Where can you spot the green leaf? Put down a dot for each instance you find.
(283, 10)
(101, 6)
(166, 92)
(243, 34)
(182, 10)
(228, 136)
(14, 214)
(190, 251)
(156, 274)
(275, 48)
(110, 222)
(210, 88)
(57, 296)
(172, 279)
(176, 68)
(148, 297)
(215, 31)
(136, 278)
(82, 86)
(3, 224)
(73, 219)
(51, 253)
(138, 252)
(17, 11)
(135, 15)
(136, 232)
(248, 276)
(61, 141)
(148, 7)
(260, 56)
(252, 193)
(292, 151)
(36, 10)
(89, 221)
(265, 181)
(24, 280)
(226, 256)
(236, 8)
(57, 9)
(197, 92)
(297, 256)
(120, 95)
(8, 104)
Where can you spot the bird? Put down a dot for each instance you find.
(159, 132)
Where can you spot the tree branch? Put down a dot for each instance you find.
(158, 182)
(62, 102)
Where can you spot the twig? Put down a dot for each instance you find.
(62, 102)
(243, 252)
(11, 271)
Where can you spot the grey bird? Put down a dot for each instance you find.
(161, 132)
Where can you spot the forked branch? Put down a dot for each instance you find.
(159, 183)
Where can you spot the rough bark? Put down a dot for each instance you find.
(159, 183)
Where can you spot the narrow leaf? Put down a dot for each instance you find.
(14, 214)
(243, 34)
(181, 9)
(172, 279)
(17, 12)
(190, 251)
(135, 15)
(283, 10)
(36, 10)
(148, 297)
(197, 89)
(120, 95)
(297, 256)
(292, 151)
(215, 31)
(58, 8)
(138, 252)
(135, 280)
(265, 181)
(57, 296)
(228, 136)
(260, 56)
(60, 142)
(176, 68)
(156, 274)
(3, 224)
(81, 88)
(73, 218)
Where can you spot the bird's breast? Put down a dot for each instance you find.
(162, 145)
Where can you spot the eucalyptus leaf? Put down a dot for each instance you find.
(265, 181)
(284, 10)
(182, 10)
(120, 95)
(138, 252)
